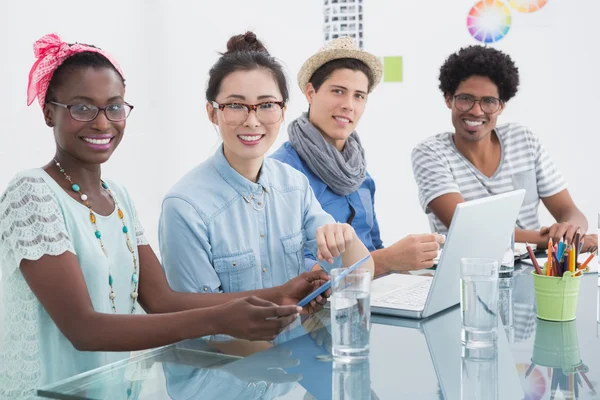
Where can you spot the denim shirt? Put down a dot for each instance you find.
(220, 232)
(360, 203)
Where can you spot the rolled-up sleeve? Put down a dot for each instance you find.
(185, 248)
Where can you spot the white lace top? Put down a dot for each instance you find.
(38, 217)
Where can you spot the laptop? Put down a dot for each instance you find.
(479, 228)
(446, 352)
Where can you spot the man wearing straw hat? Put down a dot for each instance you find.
(325, 147)
(481, 159)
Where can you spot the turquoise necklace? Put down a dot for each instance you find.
(125, 230)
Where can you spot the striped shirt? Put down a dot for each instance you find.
(439, 168)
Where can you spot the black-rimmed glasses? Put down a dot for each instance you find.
(236, 114)
(89, 112)
(488, 104)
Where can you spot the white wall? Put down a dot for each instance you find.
(167, 48)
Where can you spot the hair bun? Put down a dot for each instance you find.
(245, 42)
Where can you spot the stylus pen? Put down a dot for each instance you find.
(327, 285)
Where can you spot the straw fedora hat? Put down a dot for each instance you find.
(343, 47)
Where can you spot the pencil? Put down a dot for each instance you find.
(549, 265)
(577, 244)
(561, 245)
(556, 266)
(587, 261)
(533, 259)
(572, 259)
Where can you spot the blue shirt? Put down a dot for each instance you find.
(219, 231)
(357, 208)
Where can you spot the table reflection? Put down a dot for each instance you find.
(479, 373)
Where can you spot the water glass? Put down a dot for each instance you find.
(350, 314)
(507, 266)
(479, 301)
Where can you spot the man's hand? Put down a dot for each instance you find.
(301, 286)
(414, 251)
(557, 231)
(590, 244)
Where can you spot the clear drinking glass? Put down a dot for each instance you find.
(479, 301)
(350, 314)
(507, 266)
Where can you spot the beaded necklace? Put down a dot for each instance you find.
(125, 230)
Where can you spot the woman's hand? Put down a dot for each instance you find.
(333, 240)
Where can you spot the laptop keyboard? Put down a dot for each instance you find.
(414, 296)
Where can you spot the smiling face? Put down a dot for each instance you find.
(90, 142)
(474, 125)
(337, 106)
(247, 139)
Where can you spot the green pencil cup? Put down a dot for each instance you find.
(556, 297)
(556, 345)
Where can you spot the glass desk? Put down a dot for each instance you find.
(409, 359)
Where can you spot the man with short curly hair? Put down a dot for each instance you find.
(481, 159)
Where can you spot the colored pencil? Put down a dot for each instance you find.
(577, 245)
(561, 246)
(587, 261)
(549, 262)
(533, 259)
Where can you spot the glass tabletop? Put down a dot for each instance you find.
(408, 359)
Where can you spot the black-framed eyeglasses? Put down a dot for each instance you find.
(234, 114)
(89, 112)
(488, 104)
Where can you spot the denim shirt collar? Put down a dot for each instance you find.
(245, 187)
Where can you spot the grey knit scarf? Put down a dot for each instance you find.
(343, 171)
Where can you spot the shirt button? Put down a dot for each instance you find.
(264, 270)
(262, 235)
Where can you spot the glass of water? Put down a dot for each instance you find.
(350, 314)
(507, 266)
(479, 301)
